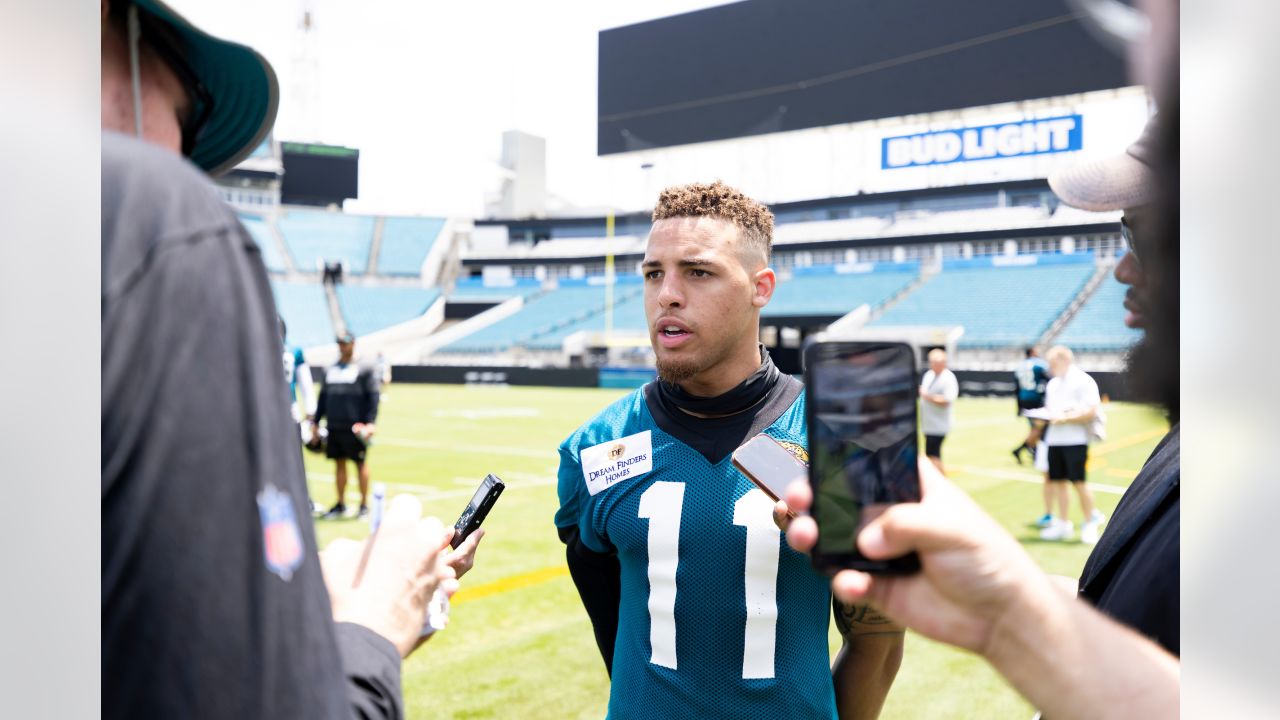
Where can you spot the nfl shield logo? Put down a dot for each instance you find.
(281, 540)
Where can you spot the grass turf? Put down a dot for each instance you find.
(519, 642)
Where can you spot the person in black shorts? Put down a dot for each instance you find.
(349, 399)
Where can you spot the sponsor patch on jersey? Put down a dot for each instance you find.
(796, 450)
(281, 539)
(611, 462)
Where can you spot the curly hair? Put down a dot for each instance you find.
(721, 201)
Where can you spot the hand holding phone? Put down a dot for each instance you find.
(862, 405)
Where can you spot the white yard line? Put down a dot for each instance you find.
(1026, 477)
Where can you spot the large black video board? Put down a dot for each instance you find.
(319, 174)
(769, 65)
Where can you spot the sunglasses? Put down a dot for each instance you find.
(1130, 239)
(169, 47)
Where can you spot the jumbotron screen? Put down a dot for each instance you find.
(764, 66)
(319, 174)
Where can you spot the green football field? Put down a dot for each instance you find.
(519, 643)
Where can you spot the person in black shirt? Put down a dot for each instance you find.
(349, 399)
(1111, 648)
(214, 604)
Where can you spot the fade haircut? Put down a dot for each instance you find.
(717, 200)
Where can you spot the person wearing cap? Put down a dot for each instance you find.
(1132, 574)
(1108, 646)
(349, 399)
(214, 599)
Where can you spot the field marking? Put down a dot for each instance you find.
(509, 583)
(1026, 477)
(474, 449)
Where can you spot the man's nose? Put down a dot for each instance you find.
(669, 294)
(1129, 272)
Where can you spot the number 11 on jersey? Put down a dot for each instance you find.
(662, 504)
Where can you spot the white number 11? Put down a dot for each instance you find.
(661, 504)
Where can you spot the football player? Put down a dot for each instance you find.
(700, 609)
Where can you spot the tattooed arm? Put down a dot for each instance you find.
(868, 662)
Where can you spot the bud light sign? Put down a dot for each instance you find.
(989, 142)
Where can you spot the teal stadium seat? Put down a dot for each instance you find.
(554, 313)
(304, 308)
(369, 309)
(405, 244)
(829, 291)
(312, 236)
(998, 305)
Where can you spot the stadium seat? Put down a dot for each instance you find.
(369, 309)
(261, 233)
(998, 305)
(405, 244)
(313, 236)
(1099, 324)
(304, 308)
(556, 312)
(833, 291)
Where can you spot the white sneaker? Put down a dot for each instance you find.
(1092, 527)
(1059, 530)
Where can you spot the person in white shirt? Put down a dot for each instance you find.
(1073, 403)
(938, 390)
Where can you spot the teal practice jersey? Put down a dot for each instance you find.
(293, 360)
(719, 618)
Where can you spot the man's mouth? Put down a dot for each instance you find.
(1133, 304)
(672, 333)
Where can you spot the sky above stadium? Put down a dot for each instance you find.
(425, 89)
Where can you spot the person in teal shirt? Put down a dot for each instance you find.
(699, 608)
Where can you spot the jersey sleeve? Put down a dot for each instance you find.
(576, 504)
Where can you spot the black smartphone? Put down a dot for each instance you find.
(477, 510)
(861, 400)
(765, 462)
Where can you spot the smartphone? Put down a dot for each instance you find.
(765, 462)
(477, 510)
(861, 400)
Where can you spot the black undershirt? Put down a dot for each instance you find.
(736, 416)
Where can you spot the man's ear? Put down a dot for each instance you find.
(765, 283)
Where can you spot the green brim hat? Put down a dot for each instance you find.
(245, 92)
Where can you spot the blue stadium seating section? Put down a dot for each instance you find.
(366, 309)
(575, 305)
(628, 315)
(1099, 325)
(405, 244)
(257, 227)
(304, 309)
(836, 290)
(474, 289)
(314, 235)
(1000, 302)
(369, 309)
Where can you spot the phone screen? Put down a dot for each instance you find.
(862, 400)
(769, 465)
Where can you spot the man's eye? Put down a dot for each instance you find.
(652, 275)
(700, 273)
